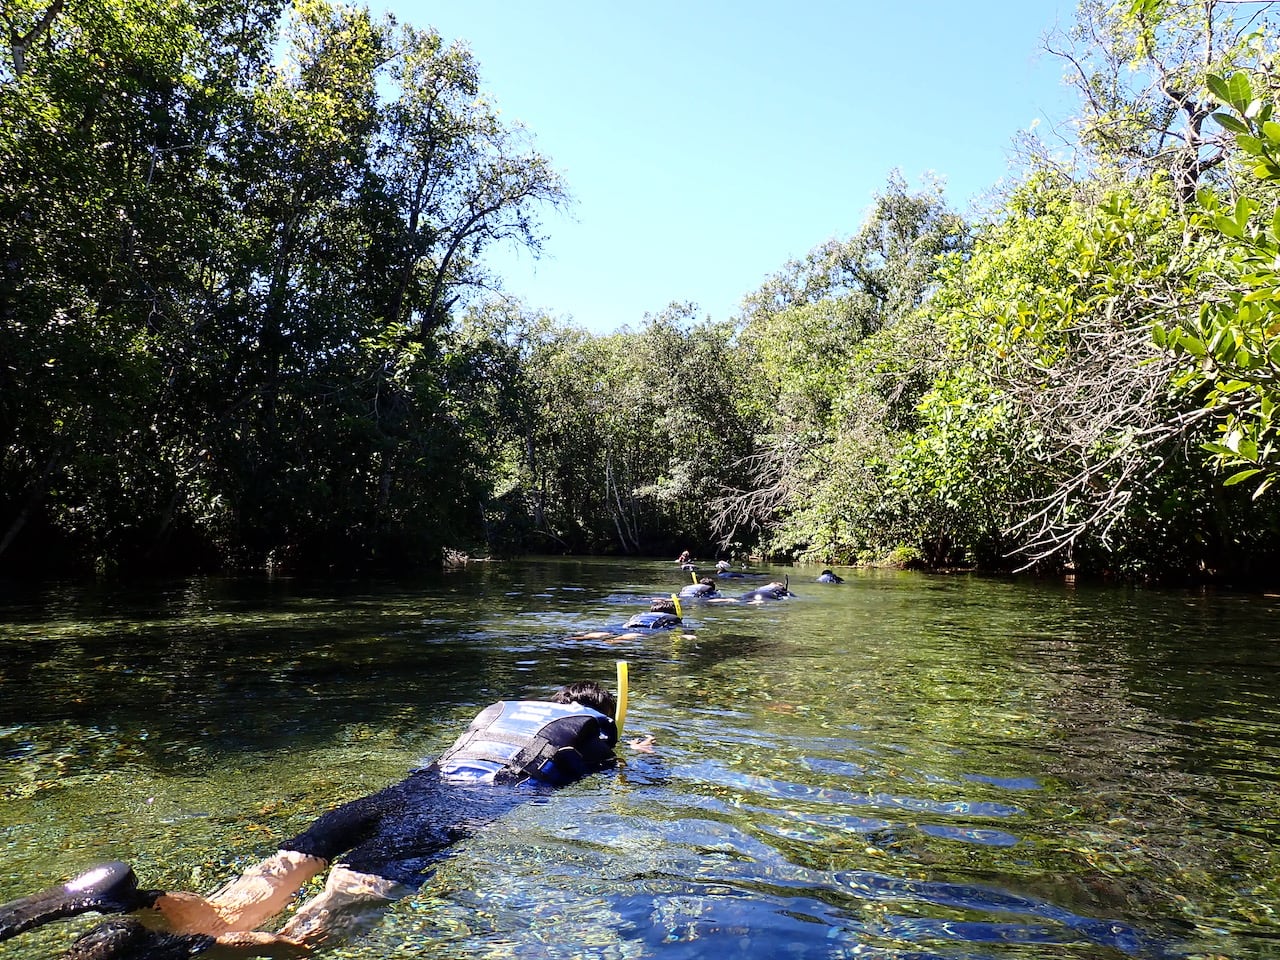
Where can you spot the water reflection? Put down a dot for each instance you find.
(900, 766)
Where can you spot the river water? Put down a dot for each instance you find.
(901, 766)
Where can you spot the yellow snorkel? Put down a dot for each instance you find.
(620, 716)
(693, 575)
(675, 598)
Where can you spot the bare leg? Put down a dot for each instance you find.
(244, 903)
(350, 902)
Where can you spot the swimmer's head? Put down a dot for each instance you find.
(589, 694)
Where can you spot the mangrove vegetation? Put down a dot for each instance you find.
(246, 321)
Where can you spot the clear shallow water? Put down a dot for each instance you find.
(901, 766)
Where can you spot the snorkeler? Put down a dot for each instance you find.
(703, 588)
(707, 589)
(380, 847)
(664, 614)
(774, 590)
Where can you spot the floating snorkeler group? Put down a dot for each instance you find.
(667, 612)
(708, 587)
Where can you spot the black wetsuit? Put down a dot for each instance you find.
(512, 752)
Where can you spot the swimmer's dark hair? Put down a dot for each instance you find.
(589, 694)
(663, 605)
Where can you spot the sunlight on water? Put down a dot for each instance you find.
(901, 766)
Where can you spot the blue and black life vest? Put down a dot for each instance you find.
(770, 591)
(704, 591)
(652, 621)
(515, 740)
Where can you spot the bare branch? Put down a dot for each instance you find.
(20, 43)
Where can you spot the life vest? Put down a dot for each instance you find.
(770, 591)
(515, 740)
(699, 590)
(652, 621)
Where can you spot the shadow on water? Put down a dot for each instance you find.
(900, 766)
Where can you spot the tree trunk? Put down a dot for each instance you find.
(34, 496)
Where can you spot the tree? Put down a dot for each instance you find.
(1068, 429)
(1139, 67)
(1230, 349)
(620, 442)
(460, 178)
(107, 111)
(228, 282)
(802, 336)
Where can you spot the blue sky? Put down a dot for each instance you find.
(706, 143)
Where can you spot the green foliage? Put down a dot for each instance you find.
(826, 402)
(1232, 344)
(239, 266)
(1140, 68)
(1095, 397)
(1061, 432)
(227, 286)
(965, 458)
(1024, 414)
(905, 558)
(956, 474)
(626, 438)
